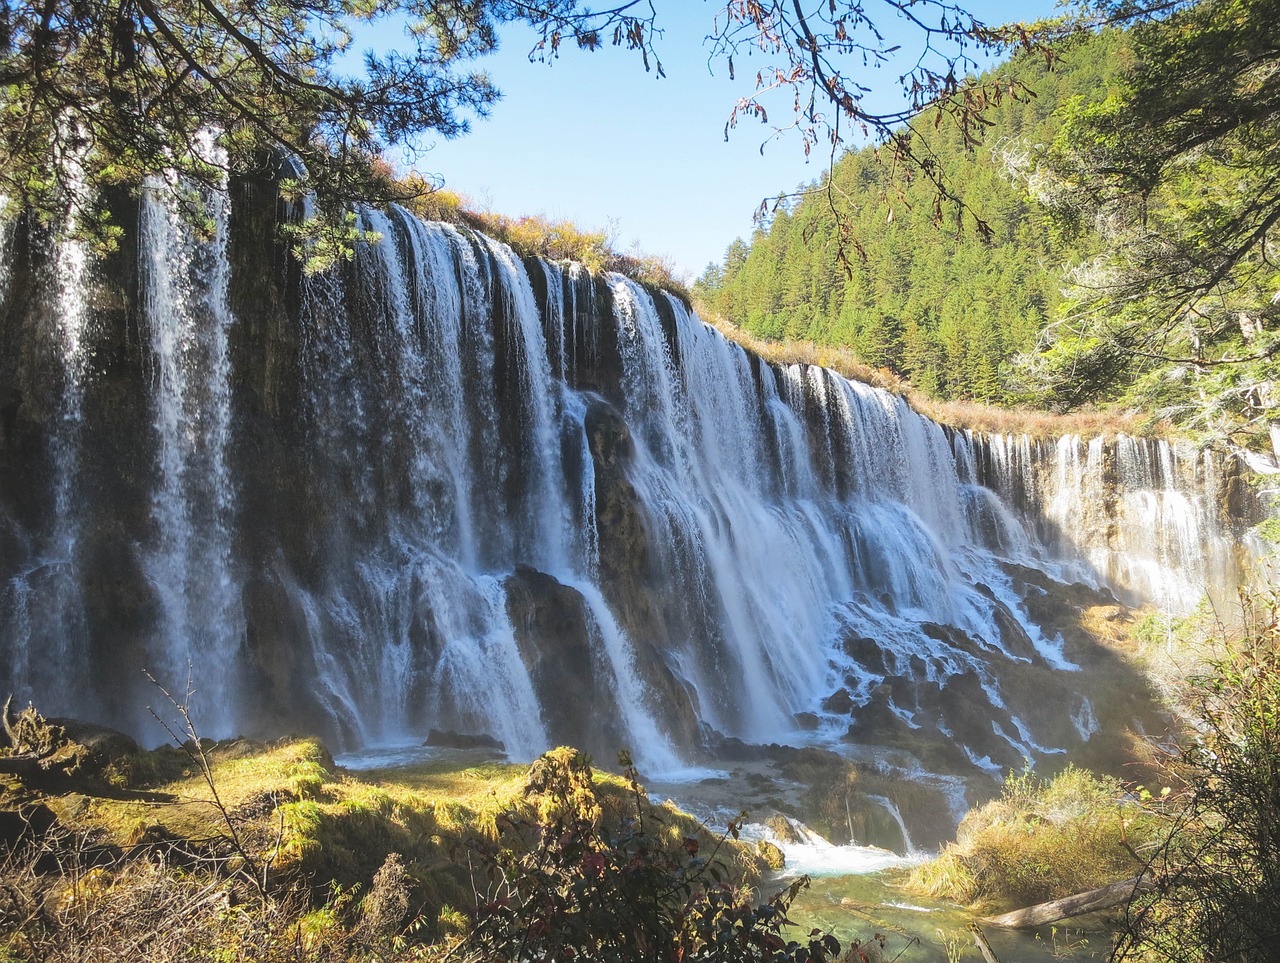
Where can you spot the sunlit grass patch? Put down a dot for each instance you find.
(1040, 840)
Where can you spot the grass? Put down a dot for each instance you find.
(1040, 840)
(539, 236)
(322, 838)
(173, 793)
(990, 419)
(843, 361)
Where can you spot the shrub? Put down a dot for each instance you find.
(1040, 840)
(1216, 873)
(565, 888)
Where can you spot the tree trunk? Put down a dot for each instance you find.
(1069, 906)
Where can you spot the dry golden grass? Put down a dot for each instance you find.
(540, 236)
(1040, 840)
(993, 420)
(988, 419)
(840, 360)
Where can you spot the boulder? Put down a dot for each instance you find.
(448, 739)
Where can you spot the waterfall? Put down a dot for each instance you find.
(890, 807)
(42, 619)
(442, 487)
(1143, 516)
(193, 503)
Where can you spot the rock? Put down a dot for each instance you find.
(551, 628)
(784, 829)
(807, 721)
(448, 739)
(61, 754)
(275, 623)
(1013, 636)
(866, 652)
(952, 636)
(608, 436)
(839, 702)
(770, 854)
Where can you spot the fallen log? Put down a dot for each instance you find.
(980, 938)
(27, 764)
(1078, 905)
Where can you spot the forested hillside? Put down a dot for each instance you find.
(934, 301)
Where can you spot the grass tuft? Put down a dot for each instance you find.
(1040, 840)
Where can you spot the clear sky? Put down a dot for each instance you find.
(594, 139)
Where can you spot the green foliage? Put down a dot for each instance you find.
(95, 93)
(886, 268)
(307, 778)
(1177, 173)
(1269, 529)
(1216, 885)
(1041, 840)
(568, 888)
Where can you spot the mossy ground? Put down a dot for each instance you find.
(311, 827)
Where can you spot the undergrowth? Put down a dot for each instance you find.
(243, 851)
(1040, 840)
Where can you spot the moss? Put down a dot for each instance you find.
(333, 829)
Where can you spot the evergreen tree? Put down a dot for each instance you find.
(1178, 174)
(911, 257)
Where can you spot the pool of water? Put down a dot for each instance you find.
(917, 930)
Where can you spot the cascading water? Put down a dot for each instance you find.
(43, 606)
(189, 562)
(1141, 515)
(443, 488)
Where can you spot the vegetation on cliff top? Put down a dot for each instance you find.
(1173, 179)
(535, 236)
(939, 305)
(1132, 207)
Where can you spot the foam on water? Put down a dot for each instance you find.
(821, 858)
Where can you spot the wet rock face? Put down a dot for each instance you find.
(625, 564)
(561, 646)
(551, 626)
(1088, 706)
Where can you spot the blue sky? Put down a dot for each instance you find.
(594, 139)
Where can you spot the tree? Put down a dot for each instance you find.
(815, 51)
(96, 92)
(1178, 172)
(1216, 870)
(911, 268)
